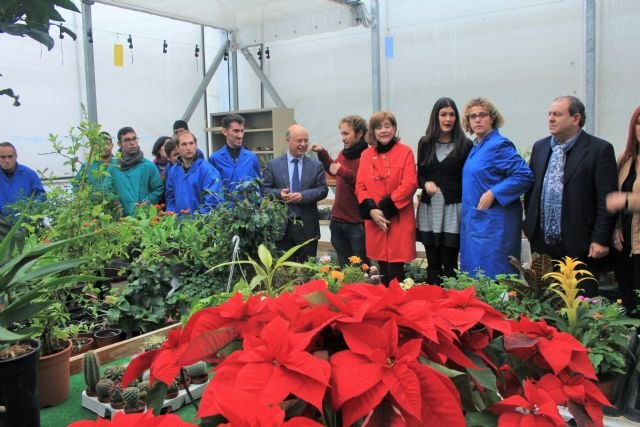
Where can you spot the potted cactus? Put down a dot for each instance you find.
(103, 390)
(117, 401)
(91, 372)
(143, 387)
(114, 373)
(198, 373)
(173, 390)
(132, 402)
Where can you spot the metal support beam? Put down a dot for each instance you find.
(205, 82)
(590, 65)
(89, 65)
(375, 56)
(263, 78)
(203, 61)
(235, 103)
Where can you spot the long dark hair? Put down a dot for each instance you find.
(427, 144)
(631, 150)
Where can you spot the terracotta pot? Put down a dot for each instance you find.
(106, 337)
(54, 377)
(19, 389)
(81, 345)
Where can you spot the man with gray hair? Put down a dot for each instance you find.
(17, 182)
(565, 212)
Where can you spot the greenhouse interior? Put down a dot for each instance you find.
(319, 213)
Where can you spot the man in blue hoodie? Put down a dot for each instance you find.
(237, 165)
(192, 183)
(17, 181)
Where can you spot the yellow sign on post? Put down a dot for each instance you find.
(118, 55)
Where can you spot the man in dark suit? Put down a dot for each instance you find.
(300, 182)
(565, 212)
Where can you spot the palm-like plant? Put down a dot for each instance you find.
(26, 282)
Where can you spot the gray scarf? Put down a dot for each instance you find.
(126, 162)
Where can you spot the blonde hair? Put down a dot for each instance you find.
(496, 117)
(376, 120)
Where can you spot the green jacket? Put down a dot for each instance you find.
(139, 184)
(98, 176)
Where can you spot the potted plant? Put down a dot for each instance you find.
(601, 326)
(27, 275)
(370, 353)
(91, 373)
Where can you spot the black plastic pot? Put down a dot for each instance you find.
(632, 409)
(19, 389)
(106, 337)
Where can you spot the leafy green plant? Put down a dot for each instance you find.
(28, 276)
(141, 306)
(266, 271)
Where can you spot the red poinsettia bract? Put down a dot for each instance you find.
(548, 347)
(270, 367)
(145, 419)
(377, 365)
(537, 408)
(580, 395)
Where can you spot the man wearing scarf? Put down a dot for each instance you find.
(347, 231)
(136, 179)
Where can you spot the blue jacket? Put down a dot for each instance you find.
(488, 237)
(198, 189)
(234, 172)
(23, 184)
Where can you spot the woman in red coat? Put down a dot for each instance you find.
(385, 185)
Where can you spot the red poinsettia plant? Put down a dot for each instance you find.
(376, 356)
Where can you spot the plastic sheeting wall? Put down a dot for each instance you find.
(520, 54)
(148, 94)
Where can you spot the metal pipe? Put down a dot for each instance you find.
(89, 64)
(195, 99)
(263, 78)
(375, 57)
(590, 66)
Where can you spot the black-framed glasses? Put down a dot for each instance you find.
(380, 170)
(480, 115)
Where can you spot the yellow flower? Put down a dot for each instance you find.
(365, 267)
(324, 269)
(336, 275)
(355, 259)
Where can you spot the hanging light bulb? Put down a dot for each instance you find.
(266, 52)
(164, 47)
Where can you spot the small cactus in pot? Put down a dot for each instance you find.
(91, 372)
(198, 373)
(103, 389)
(143, 387)
(117, 401)
(114, 373)
(132, 403)
(173, 390)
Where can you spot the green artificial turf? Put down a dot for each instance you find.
(72, 410)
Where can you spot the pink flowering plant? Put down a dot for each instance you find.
(369, 355)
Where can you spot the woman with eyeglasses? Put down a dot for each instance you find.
(494, 178)
(626, 201)
(385, 185)
(441, 156)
